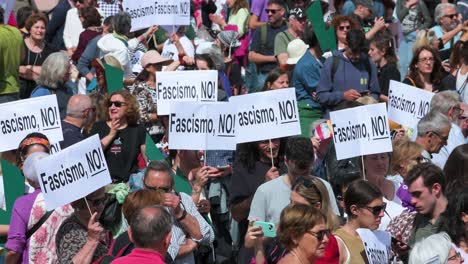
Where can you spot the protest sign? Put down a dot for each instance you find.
(407, 104)
(360, 131)
(73, 173)
(199, 126)
(266, 115)
(185, 86)
(145, 13)
(19, 118)
(376, 245)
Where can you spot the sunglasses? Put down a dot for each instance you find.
(375, 210)
(308, 184)
(166, 189)
(116, 103)
(343, 28)
(273, 11)
(320, 234)
(451, 16)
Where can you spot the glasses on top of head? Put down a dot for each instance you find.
(307, 183)
(116, 103)
(375, 210)
(320, 235)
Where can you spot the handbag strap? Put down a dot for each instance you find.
(36, 226)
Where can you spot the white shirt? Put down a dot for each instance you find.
(170, 50)
(72, 29)
(110, 45)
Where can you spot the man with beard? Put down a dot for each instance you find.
(447, 20)
(348, 74)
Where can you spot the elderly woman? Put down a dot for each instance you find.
(144, 90)
(35, 52)
(436, 248)
(80, 238)
(118, 44)
(32, 230)
(54, 74)
(122, 138)
(303, 230)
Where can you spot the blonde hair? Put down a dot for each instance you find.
(403, 150)
(425, 37)
(314, 191)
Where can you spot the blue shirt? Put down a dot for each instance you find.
(306, 78)
(439, 33)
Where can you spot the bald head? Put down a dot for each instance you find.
(150, 226)
(77, 104)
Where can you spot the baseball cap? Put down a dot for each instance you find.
(297, 12)
(366, 3)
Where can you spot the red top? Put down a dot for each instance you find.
(141, 256)
(332, 252)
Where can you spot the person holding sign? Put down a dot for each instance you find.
(276, 79)
(81, 238)
(365, 208)
(348, 74)
(122, 138)
(32, 229)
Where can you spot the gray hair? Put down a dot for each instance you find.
(29, 167)
(443, 101)
(122, 23)
(150, 225)
(53, 70)
(440, 10)
(431, 248)
(159, 165)
(77, 104)
(433, 121)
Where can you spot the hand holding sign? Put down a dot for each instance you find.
(272, 174)
(94, 229)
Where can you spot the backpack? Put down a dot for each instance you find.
(336, 60)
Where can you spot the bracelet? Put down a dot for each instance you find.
(184, 214)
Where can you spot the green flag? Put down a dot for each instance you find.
(181, 183)
(152, 152)
(13, 187)
(114, 78)
(326, 37)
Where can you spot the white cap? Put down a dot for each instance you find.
(296, 49)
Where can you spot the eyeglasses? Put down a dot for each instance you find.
(343, 28)
(455, 257)
(460, 111)
(320, 234)
(424, 60)
(451, 16)
(375, 210)
(273, 11)
(116, 103)
(167, 189)
(441, 137)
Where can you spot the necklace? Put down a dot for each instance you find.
(37, 54)
(294, 254)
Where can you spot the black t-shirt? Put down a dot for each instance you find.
(71, 135)
(122, 153)
(269, 50)
(388, 72)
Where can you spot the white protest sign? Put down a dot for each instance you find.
(407, 104)
(199, 126)
(185, 86)
(376, 245)
(73, 173)
(360, 131)
(19, 118)
(145, 13)
(266, 115)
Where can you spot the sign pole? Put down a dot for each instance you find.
(89, 208)
(271, 154)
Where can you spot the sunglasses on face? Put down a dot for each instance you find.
(375, 210)
(273, 11)
(116, 103)
(451, 16)
(165, 189)
(343, 28)
(320, 235)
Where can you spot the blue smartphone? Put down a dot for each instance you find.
(269, 229)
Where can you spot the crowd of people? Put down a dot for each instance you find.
(284, 200)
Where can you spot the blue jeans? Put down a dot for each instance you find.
(405, 52)
(251, 77)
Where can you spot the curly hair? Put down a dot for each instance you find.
(91, 17)
(133, 111)
(436, 75)
(247, 154)
(295, 221)
(337, 20)
(34, 18)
